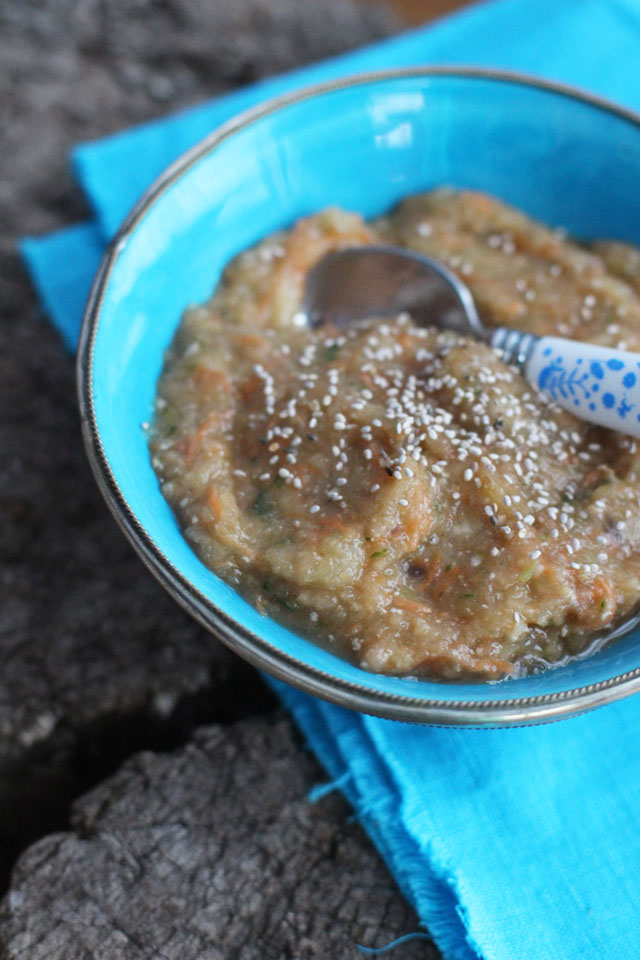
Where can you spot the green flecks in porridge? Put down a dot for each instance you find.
(398, 492)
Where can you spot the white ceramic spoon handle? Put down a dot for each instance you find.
(595, 383)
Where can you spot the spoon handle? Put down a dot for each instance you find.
(598, 384)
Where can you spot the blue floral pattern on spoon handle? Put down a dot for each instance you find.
(595, 383)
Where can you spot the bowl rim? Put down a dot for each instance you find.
(516, 711)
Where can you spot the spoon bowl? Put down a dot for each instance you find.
(359, 283)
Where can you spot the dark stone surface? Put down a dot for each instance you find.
(73, 70)
(95, 660)
(209, 853)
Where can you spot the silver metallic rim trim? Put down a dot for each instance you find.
(482, 713)
(516, 345)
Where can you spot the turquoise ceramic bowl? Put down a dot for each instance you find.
(363, 143)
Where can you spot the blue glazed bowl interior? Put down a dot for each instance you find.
(364, 146)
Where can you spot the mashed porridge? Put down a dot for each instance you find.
(400, 493)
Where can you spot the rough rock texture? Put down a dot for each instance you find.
(209, 853)
(95, 660)
(76, 69)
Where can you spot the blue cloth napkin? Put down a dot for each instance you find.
(513, 844)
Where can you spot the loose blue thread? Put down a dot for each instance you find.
(322, 789)
(376, 951)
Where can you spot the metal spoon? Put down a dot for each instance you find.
(597, 384)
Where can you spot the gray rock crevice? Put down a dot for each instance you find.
(95, 660)
(206, 852)
(207, 846)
